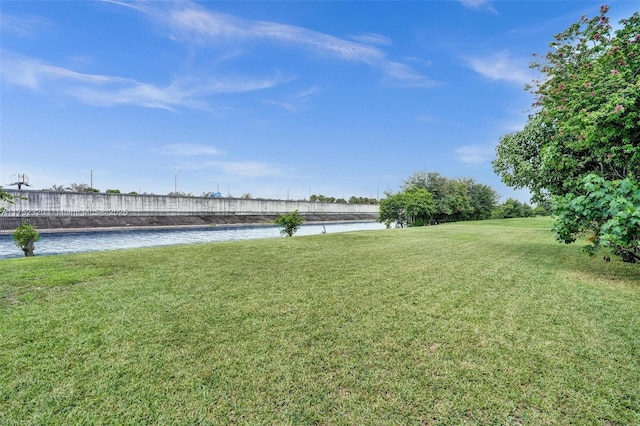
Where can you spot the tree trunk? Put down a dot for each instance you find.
(28, 248)
(629, 257)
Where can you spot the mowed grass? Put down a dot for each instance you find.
(470, 323)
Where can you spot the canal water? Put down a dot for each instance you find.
(76, 242)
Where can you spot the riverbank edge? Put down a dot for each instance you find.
(188, 222)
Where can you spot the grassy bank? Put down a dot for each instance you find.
(485, 322)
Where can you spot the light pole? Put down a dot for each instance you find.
(175, 182)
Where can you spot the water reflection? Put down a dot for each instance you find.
(75, 242)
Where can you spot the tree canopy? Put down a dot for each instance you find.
(290, 222)
(591, 98)
(585, 125)
(24, 236)
(413, 207)
(455, 199)
(428, 198)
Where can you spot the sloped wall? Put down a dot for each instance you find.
(47, 209)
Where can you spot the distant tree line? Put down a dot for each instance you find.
(352, 200)
(78, 187)
(428, 198)
(514, 208)
(83, 187)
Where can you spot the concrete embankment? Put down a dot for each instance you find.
(65, 210)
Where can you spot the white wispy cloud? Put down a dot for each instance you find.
(246, 169)
(502, 66)
(33, 73)
(402, 75)
(372, 38)
(192, 20)
(105, 90)
(479, 5)
(419, 61)
(240, 169)
(475, 154)
(294, 102)
(24, 26)
(425, 118)
(186, 150)
(195, 23)
(474, 4)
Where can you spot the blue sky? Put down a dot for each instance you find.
(273, 98)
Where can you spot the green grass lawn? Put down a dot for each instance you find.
(470, 323)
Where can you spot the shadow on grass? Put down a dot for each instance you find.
(35, 277)
(571, 259)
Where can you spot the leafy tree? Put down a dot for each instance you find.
(180, 194)
(437, 186)
(586, 125)
(513, 208)
(519, 160)
(590, 96)
(609, 211)
(352, 200)
(25, 235)
(457, 201)
(541, 210)
(451, 196)
(413, 207)
(5, 198)
(392, 210)
(323, 199)
(419, 206)
(483, 199)
(290, 222)
(454, 199)
(362, 200)
(433, 182)
(112, 191)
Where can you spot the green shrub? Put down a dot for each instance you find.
(290, 222)
(25, 235)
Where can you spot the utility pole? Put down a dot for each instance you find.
(91, 180)
(175, 183)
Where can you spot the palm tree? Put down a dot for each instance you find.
(78, 187)
(56, 188)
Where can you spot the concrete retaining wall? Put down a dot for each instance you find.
(47, 209)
